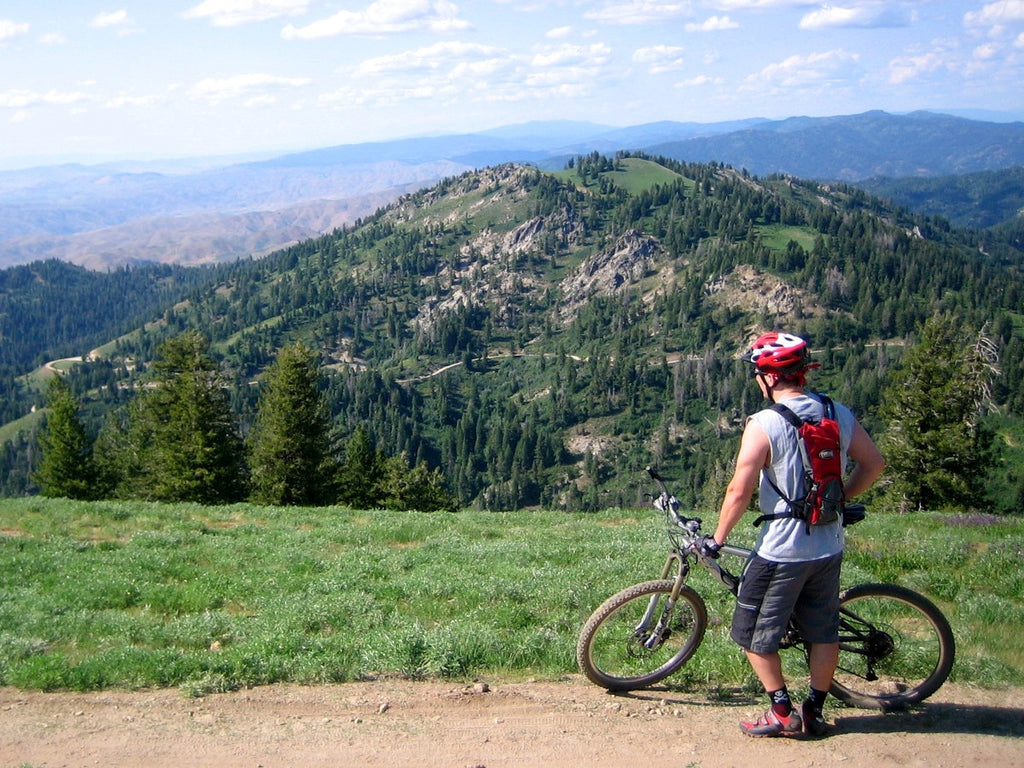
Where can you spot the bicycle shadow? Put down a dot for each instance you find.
(939, 717)
(927, 717)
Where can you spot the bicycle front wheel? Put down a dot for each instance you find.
(895, 647)
(639, 636)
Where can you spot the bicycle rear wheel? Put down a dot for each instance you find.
(636, 638)
(895, 647)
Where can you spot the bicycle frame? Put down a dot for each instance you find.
(684, 534)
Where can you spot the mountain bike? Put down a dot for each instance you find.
(896, 648)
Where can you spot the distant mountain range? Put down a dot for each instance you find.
(109, 215)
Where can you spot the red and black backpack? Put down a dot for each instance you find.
(821, 502)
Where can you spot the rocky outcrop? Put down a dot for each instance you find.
(624, 263)
(748, 289)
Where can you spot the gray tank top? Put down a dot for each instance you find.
(786, 540)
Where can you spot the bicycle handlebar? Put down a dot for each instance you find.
(669, 504)
(690, 533)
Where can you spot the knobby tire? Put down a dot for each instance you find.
(912, 641)
(611, 651)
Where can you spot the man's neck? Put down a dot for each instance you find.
(778, 394)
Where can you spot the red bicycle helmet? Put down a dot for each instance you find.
(780, 353)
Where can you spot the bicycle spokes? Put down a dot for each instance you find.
(868, 645)
(895, 647)
(641, 635)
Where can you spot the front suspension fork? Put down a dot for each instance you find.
(654, 637)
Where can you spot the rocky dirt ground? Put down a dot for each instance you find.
(534, 723)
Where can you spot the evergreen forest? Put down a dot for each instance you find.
(535, 339)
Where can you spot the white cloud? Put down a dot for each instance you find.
(564, 71)
(458, 74)
(985, 52)
(743, 5)
(558, 33)
(124, 100)
(53, 38)
(869, 15)
(11, 29)
(572, 55)
(835, 16)
(638, 12)
(565, 84)
(443, 72)
(660, 58)
(809, 71)
(111, 19)
(261, 100)
(384, 17)
(906, 68)
(433, 58)
(249, 86)
(698, 81)
(231, 13)
(713, 24)
(20, 98)
(119, 20)
(998, 13)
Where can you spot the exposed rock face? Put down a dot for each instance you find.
(624, 263)
(488, 272)
(493, 266)
(749, 289)
(503, 268)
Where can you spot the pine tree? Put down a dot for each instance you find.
(66, 467)
(937, 450)
(290, 449)
(111, 455)
(360, 475)
(182, 439)
(420, 488)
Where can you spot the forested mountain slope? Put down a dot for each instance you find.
(53, 309)
(854, 147)
(543, 336)
(981, 200)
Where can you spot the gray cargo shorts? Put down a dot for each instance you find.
(772, 592)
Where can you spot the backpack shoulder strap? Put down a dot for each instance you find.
(796, 422)
(829, 406)
(788, 414)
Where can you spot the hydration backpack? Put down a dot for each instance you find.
(822, 500)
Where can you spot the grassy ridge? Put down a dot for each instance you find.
(129, 595)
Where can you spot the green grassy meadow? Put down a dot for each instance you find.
(131, 595)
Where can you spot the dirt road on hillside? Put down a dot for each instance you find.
(521, 725)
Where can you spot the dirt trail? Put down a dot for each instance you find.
(528, 724)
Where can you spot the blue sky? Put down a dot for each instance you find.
(123, 79)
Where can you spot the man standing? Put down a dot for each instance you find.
(794, 570)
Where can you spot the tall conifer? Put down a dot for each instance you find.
(937, 449)
(66, 467)
(290, 447)
(182, 433)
